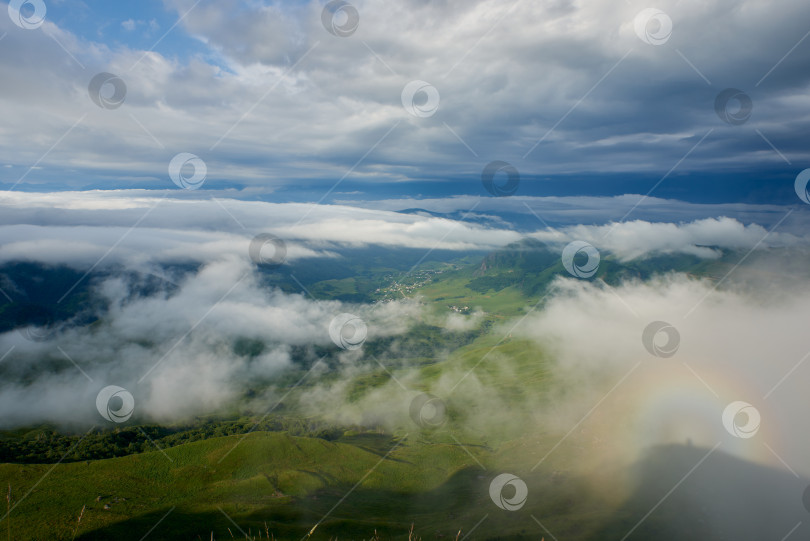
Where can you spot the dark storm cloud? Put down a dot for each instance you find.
(509, 74)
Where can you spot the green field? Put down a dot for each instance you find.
(288, 484)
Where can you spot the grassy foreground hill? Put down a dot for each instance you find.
(273, 482)
(377, 487)
(288, 483)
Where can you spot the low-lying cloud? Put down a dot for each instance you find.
(79, 228)
(702, 238)
(175, 349)
(139, 230)
(732, 346)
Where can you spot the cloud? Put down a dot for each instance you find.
(457, 322)
(304, 104)
(176, 349)
(529, 212)
(734, 344)
(702, 238)
(139, 230)
(79, 228)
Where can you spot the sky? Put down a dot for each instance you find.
(571, 94)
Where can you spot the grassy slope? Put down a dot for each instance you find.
(452, 291)
(289, 482)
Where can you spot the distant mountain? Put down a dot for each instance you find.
(510, 220)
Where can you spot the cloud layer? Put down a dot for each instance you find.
(139, 230)
(176, 350)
